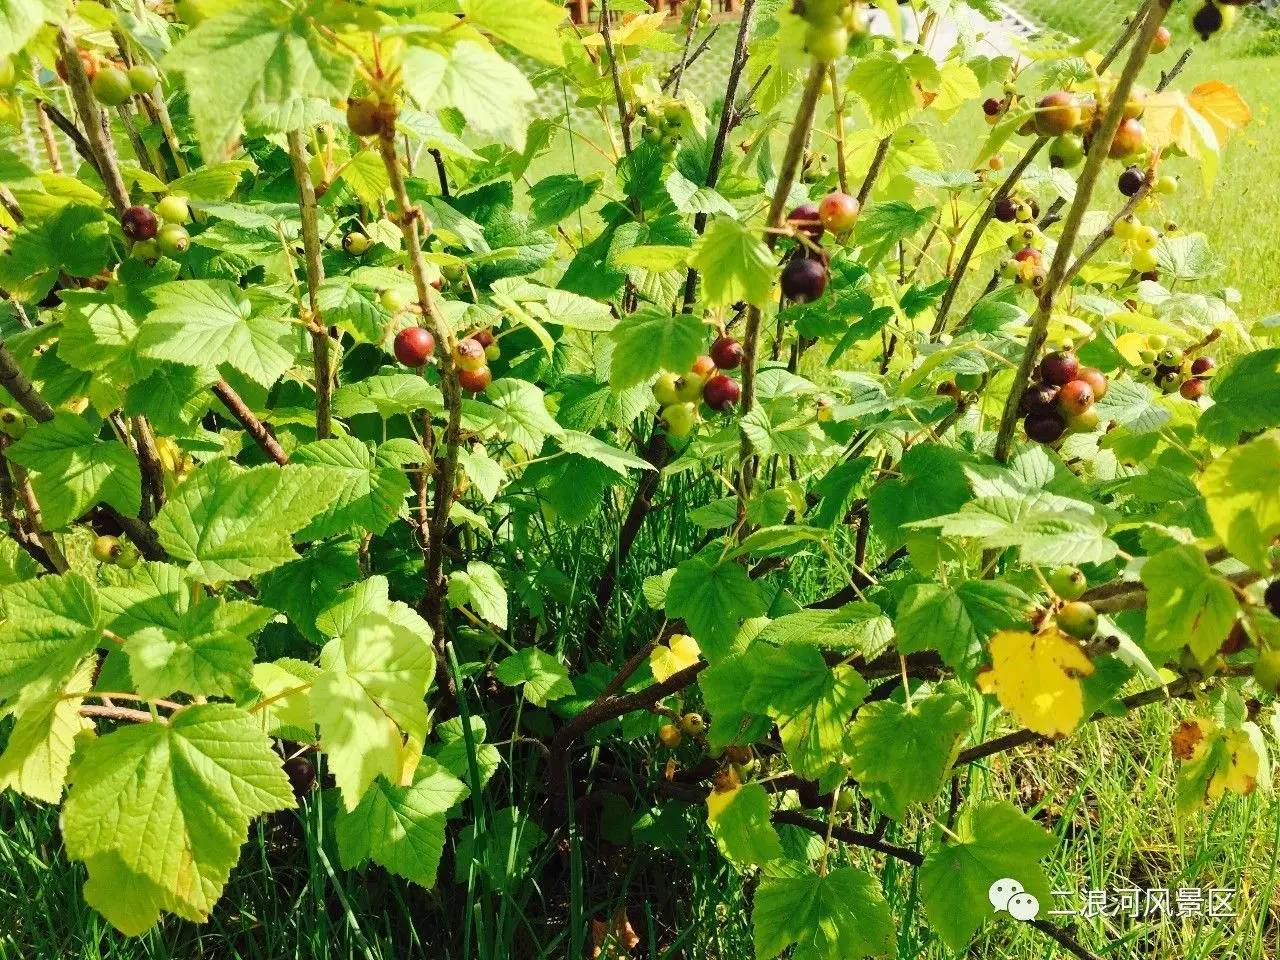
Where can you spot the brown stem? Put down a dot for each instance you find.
(447, 462)
(72, 132)
(730, 114)
(315, 276)
(119, 713)
(988, 213)
(623, 120)
(51, 152)
(751, 339)
(1075, 216)
(21, 389)
(837, 109)
(152, 469)
(252, 425)
(35, 521)
(96, 128)
(873, 172)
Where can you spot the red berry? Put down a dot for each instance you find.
(483, 337)
(139, 223)
(803, 279)
(1094, 378)
(1202, 365)
(727, 353)
(807, 219)
(1029, 253)
(1075, 398)
(1045, 426)
(838, 211)
(1192, 389)
(475, 380)
(1059, 368)
(721, 392)
(413, 345)
(1160, 42)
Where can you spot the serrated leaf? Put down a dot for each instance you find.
(519, 413)
(900, 754)
(47, 722)
(995, 842)
(543, 676)
(471, 77)
(75, 470)
(1239, 489)
(480, 587)
(369, 494)
(739, 822)
(370, 698)
(734, 263)
(958, 622)
(50, 625)
(650, 340)
(173, 801)
(1036, 676)
(840, 916)
(401, 827)
(713, 600)
(1187, 602)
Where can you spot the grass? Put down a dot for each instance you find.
(1106, 794)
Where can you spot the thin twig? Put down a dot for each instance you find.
(252, 425)
(315, 277)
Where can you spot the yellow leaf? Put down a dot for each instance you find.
(681, 654)
(633, 33)
(1222, 108)
(1240, 773)
(1036, 677)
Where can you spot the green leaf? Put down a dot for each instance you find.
(387, 395)
(585, 445)
(47, 722)
(1239, 489)
(519, 412)
(480, 587)
(401, 827)
(900, 755)
(689, 197)
(734, 263)
(811, 702)
(286, 684)
(544, 677)
(713, 600)
(492, 94)
(369, 698)
(171, 802)
(739, 822)
(229, 523)
(209, 323)
(531, 27)
(370, 493)
(254, 55)
(840, 916)
(652, 339)
(886, 85)
(996, 841)
(75, 470)
(1187, 602)
(50, 624)
(722, 684)
(207, 652)
(75, 239)
(20, 19)
(553, 198)
(1244, 398)
(1130, 404)
(958, 622)
(857, 627)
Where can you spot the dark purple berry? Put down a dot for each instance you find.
(807, 219)
(1006, 210)
(1045, 426)
(301, 773)
(803, 279)
(139, 223)
(992, 106)
(1201, 365)
(1039, 398)
(1272, 597)
(1131, 181)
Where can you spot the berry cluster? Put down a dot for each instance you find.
(473, 355)
(804, 278)
(159, 231)
(830, 24)
(665, 119)
(1071, 119)
(112, 82)
(1062, 398)
(119, 553)
(699, 11)
(705, 381)
(1170, 370)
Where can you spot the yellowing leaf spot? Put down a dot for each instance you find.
(1036, 676)
(1240, 773)
(1222, 106)
(681, 653)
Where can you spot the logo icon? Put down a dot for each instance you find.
(1006, 895)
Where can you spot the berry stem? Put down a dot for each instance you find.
(777, 212)
(1144, 27)
(97, 127)
(315, 276)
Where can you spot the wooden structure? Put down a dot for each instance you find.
(580, 10)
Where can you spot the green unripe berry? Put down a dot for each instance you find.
(173, 240)
(173, 209)
(1078, 619)
(106, 549)
(143, 78)
(111, 86)
(1069, 583)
